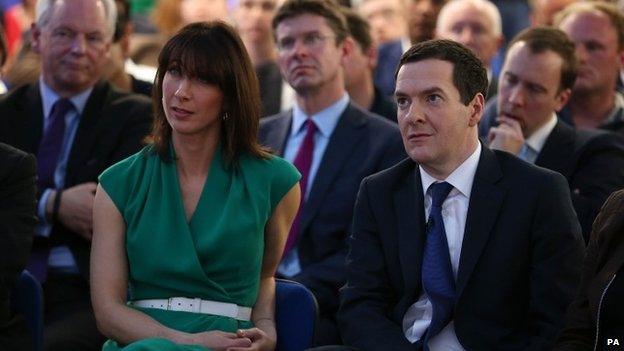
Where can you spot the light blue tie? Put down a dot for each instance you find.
(437, 273)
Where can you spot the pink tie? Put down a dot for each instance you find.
(303, 162)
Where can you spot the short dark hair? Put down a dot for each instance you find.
(214, 53)
(540, 39)
(469, 74)
(608, 9)
(123, 18)
(359, 29)
(327, 9)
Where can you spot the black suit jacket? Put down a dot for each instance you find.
(593, 163)
(17, 224)
(361, 144)
(112, 127)
(518, 268)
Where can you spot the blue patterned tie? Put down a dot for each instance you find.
(437, 273)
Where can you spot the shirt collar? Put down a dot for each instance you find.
(325, 120)
(461, 178)
(618, 105)
(537, 140)
(49, 98)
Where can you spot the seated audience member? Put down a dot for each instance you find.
(458, 247)
(597, 30)
(595, 319)
(253, 22)
(168, 16)
(359, 70)
(535, 83)
(77, 126)
(17, 227)
(206, 199)
(387, 19)
(116, 70)
(476, 24)
(421, 23)
(333, 143)
(542, 12)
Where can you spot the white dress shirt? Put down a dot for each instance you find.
(326, 121)
(454, 211)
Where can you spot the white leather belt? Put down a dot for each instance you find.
(185, 304)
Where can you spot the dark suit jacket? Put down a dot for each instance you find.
(517, 270)
(17, 224)
(270, 82)
(593, 163)
(112, 127)
(591, 160)
(388, 57)
(603, 259)
(361, 144)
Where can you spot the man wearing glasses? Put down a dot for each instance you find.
(333, 143)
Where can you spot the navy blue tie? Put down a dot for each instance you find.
(437, 273)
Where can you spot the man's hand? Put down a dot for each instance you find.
(507, 136)
(76, 209)
(260, 341)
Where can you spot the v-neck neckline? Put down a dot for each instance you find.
(215, 166)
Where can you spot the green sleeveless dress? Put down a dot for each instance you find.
(217, 255)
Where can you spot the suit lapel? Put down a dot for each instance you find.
(277, 135)
(560, 140)
(409, 208)
(341, 143)
(86, 134)
(27, 124)
(485, 202)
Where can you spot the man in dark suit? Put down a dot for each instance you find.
(77, 126)
(17, 227)
(458, 247)
(333, 143)
(536, 82)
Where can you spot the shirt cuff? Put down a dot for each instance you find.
(44, 227)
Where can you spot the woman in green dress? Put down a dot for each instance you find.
(194, 225)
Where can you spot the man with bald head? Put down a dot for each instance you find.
(597, 30)
(77, 126)
(476, 24)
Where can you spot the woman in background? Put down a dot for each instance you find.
(196, 222)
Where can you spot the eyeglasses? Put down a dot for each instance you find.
(311, 40)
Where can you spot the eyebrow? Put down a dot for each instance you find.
(427, 91)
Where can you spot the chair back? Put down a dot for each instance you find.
(27, 300)
(295, 315)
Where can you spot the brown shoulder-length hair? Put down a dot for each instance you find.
(214, 53)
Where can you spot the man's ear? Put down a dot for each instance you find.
(562, 98)
(35, 33)
(371, 55)
(477, 105)
(347, 45)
